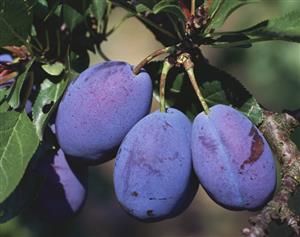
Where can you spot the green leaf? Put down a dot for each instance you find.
(80, 6)
(98, 8)
(18, 142)
(46, 102)
(71, 17)
(177, 83)
(253, 111)
(284, 28)
(214, 93)
(22, 196)
(15, 22)
(4, 106)
(222, 9)
(169, 6)
(54, 69)
(79, 62)
(14, 96)
(141, 8)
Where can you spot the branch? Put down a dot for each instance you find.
(277, 129)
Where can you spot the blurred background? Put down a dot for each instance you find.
(270, 71)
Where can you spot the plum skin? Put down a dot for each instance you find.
(232, 159)
(99, 108)
(153, 175)
(64, 190)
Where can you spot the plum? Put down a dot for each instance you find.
(64, 190)
(153, 175)
(232, 159)
(6, 58)
(99, 108)
(28, 106)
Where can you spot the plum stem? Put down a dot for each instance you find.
(193, 7)
(169, 50)
(185, 60)
(163, 77)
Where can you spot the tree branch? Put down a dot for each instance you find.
(277, 129)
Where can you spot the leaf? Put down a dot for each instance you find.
(141, 8)
(79, 62)
(253, 111)
(14, 95)
(220, 10)
(22, 196)
(233, 40)
(71, 17)
(214, 93)
(18, 142)
(80, 6)
(98, 8)
(46, 102)
(4, 106)
(54, 69)
(32, 181)
(284, 28)
(15, 22)
(177, 83)
(170, 7)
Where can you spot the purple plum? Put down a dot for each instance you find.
(99, 108)
(64, 190)
(232, 159)
(153, 175)
(6, 58)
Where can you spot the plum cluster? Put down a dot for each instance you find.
(160, 157)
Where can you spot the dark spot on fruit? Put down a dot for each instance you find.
(46, 108)
(208, 143)
(222, 168)
(135, 194)
(166, 125)
(143, 162)
(150, 213)
(257, 147)
(160, 199)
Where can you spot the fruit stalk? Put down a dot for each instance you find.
(163, 77)
(193, 7)
(169, 50)
(277, 129)
(188, 65)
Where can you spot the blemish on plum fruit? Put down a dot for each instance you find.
(151, 170)
(166, 125)
(135, 194)
(208, 143)
(257, 147)
(160, 199)
(150, 213)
